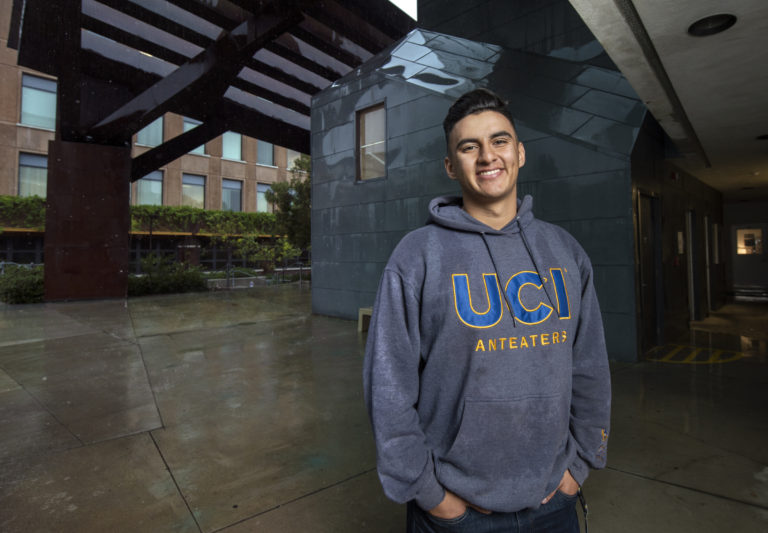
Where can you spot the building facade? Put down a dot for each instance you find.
(597, 164)
(230, 172)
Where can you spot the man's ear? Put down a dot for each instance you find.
(520, 154)
(449, 168)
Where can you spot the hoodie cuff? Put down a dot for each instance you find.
(579, 469)
(430, 496)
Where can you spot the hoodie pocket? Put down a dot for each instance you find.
(505, 448)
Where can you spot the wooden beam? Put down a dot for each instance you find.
(206, 76)
(173, 149)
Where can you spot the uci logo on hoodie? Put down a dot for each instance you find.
(525, 293)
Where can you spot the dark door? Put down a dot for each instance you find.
(649, 251)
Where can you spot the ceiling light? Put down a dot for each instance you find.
(763, 137)
(711, 25)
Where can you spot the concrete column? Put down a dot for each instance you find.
(87, 221)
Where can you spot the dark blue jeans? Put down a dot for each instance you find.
(557, 516)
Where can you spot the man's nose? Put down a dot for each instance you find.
(487, 153)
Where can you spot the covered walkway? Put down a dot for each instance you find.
(242, 411)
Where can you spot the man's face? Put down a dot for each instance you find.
(484, 156)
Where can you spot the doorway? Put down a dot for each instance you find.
(651, 297)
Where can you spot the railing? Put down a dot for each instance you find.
(11, 263)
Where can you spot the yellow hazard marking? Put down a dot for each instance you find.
(691, 355)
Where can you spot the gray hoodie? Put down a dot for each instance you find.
(485, 369)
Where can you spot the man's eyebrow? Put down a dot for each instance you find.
(502, 133)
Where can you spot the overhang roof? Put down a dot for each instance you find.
(250, 66)
(710, 94)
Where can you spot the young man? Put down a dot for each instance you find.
(486, 376)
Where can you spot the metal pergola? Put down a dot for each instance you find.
(249, 66)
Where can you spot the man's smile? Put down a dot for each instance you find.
(489, 173)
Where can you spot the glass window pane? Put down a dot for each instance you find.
(193, 190)
(372, 126)
(150, 189)
(33, 175)
(266, 153)
(262, 205)
(190, 124)
(151, 134)
(232, 146)
(38, 102)
(293, 156)
(371, 142)
(373, 161)
(749, 241)
(231, 195)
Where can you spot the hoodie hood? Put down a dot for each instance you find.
(447, 211)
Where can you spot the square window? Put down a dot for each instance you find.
(33, 175)
(232, 146)
(265, 153)
(371, 143)
(150, 189)
(293, 158)
(190, 124)
(193, 190)
(231, 195)
(38, 102)
(151, 134)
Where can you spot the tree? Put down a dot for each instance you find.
(293, 203)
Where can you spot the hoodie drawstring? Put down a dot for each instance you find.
(535, 266)
(499, 278)
(538, 270)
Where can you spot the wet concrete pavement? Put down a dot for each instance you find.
(242, 411)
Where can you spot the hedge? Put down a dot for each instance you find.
(29, 212)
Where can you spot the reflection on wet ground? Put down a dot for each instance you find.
(243, 412)
(733, 332)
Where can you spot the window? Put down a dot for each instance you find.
(33, 175)
(38, 102)
(190, 124)
(262, 205)
(232, 146)
(151, 189)
(371, 143)
(749, 241)
(151, 134)
(231, 195)
(265, 153)
(293, 157)
(193, 190)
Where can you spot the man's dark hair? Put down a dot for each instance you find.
(475, 101)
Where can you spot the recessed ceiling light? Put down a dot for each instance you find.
(763, 137)
(712, 25)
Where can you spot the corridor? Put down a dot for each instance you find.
(243, 412)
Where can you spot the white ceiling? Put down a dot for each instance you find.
(710, 94)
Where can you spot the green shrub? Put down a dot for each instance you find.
(193, 220)
(163, 276)
(21, 285)
(22, 212)
(29, 212)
